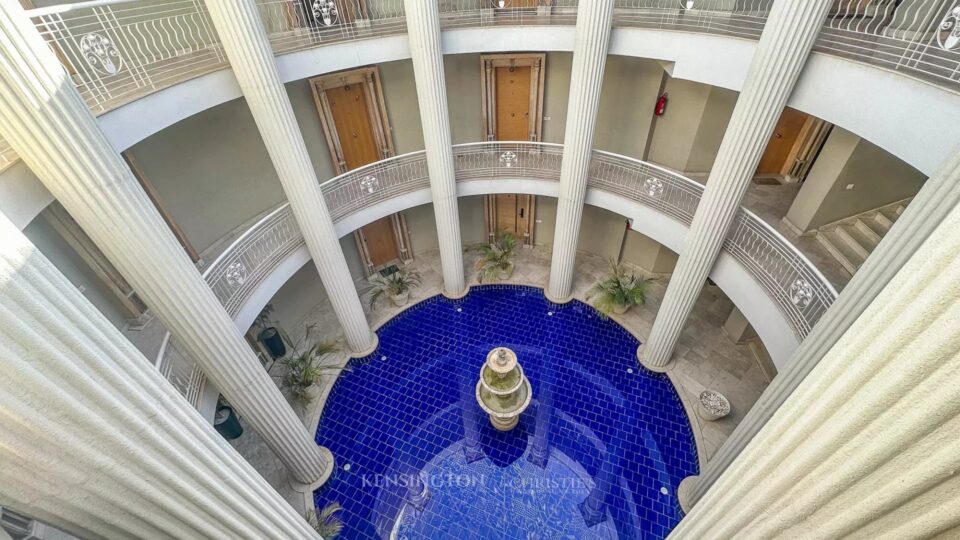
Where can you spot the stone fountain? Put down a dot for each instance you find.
(503, 391)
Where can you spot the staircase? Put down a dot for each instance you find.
(851, 240)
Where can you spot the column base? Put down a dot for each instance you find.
(565, 300)
(684, 491)
(368, 351)
(300, 487)
(456, 296)
(642, 358)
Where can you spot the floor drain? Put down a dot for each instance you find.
(664, 490)
(629, 370)
(550, 313)
(346, 466)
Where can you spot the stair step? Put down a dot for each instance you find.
(864, 228)
(838, 247)
(900, 208)
(884, 221)
(890, 214)
(865, 244)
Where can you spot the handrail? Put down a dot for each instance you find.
(64, 8)
(789, 278)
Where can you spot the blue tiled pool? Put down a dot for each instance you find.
(417, 458)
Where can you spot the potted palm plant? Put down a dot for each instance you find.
(269, 334)
(305, 366)
(496, 258)
(619, 291)
(396, 287)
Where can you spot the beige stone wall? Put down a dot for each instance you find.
(627, 101)
(648, 254)
(687, 137)
(877, 179)
(211, 171)
(69, 263)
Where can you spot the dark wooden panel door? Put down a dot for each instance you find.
(351, 117)
(781, 143)
(513, 103)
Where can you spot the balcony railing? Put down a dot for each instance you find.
(920, 38)
(116, 51)
(787, 276)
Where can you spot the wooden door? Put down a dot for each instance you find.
(513, 103)
(780, 147)
(506, 208)
(381, 243)
(351, 118)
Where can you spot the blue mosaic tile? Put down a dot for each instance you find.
(424, 461)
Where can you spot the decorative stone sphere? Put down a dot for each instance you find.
(712, 405)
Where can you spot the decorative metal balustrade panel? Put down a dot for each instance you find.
(738, 18)
(920, 38)
(115, 53)
(526, 160)
(482, 13)
(305, 24)
(375, 183)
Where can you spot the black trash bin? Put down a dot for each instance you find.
(227, 423)
(273, 341)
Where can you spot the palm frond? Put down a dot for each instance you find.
(326, 522)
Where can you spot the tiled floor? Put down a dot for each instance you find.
(771, 203)
(706, 358)
(405, 410)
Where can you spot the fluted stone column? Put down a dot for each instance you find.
(781, 53)
(423, 31)
(867, 445)
(594, 20)
(94, 441)
(248, 49)
(47, 123)
(939, 195)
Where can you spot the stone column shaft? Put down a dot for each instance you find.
(939, 195)
(248, 49)
(423, 31)
(781, 53)
(594, 20)
(44, 119)
(867, 445)
(94, 441)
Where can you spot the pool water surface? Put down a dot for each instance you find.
(598, 454)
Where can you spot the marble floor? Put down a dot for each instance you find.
(771, 203)
(706, 357)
